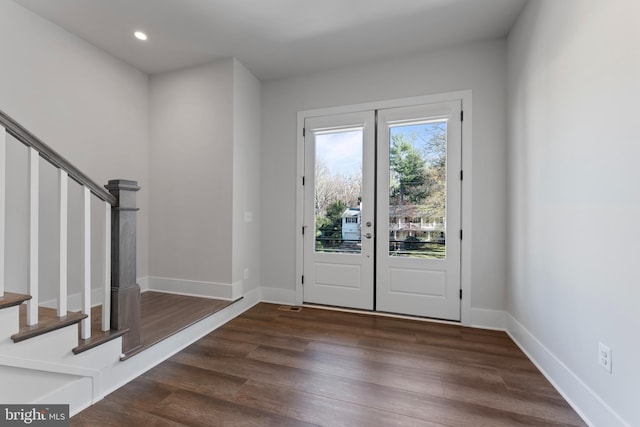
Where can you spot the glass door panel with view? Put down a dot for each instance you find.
(418, 190)
(338, 208)
(418, 203)
(338, 190)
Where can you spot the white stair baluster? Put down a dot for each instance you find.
(34, 197)
(85, 327)
(3, 184)
(106, 303)
(64, 220)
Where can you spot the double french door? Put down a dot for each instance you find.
(382, 205)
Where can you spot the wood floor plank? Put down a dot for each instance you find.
(300, 329)
(269, 373)
(260, 337)
(436, 367)
(191, 378)
(371, 372)
(549, 408)
(320, 367)
(468, 357)
(224, 346)
(142, 394)
(157, 308)
(108, 413)
(321, 410)
(199, 410)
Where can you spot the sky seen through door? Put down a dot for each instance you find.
(340, 151)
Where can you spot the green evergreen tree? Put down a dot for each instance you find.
(409, 171)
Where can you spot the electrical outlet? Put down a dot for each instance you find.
(246, 274)
(604, 357)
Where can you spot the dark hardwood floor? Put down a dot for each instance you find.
(163, 315)
(270, 367)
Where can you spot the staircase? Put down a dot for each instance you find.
(49, 352)
(41, 364)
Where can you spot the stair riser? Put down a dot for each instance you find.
(52, 346)
(8, 323)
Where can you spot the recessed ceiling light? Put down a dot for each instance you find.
(140, 35)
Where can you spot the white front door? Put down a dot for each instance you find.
(419, 206)
(339, 210)
(395, 249)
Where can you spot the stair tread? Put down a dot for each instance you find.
(46, 324)
(10, 299)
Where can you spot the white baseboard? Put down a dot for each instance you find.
(143, 282)
(593, 410)
(278, 296)
(225, 291)
(488, 319)
(237, 290)
(74, 301)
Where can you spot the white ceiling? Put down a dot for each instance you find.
(276, 38)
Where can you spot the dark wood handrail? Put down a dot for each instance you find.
(30, 140)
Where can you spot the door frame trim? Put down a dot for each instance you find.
(465, 96)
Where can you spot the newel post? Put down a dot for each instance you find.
(125, 292)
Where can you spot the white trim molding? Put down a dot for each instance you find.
(74, 301)
(278, 296)
(586, 402)
(237, 290)
(225, 291)
(488, 319)
(143, 282)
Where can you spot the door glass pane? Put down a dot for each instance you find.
(418, 190)
(338, 190)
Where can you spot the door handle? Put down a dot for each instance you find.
(368, 235)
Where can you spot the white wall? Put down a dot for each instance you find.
(191, 168)
(86, 105)
(246, 177)
(574, 198)
(205, 169)
(480, 67)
